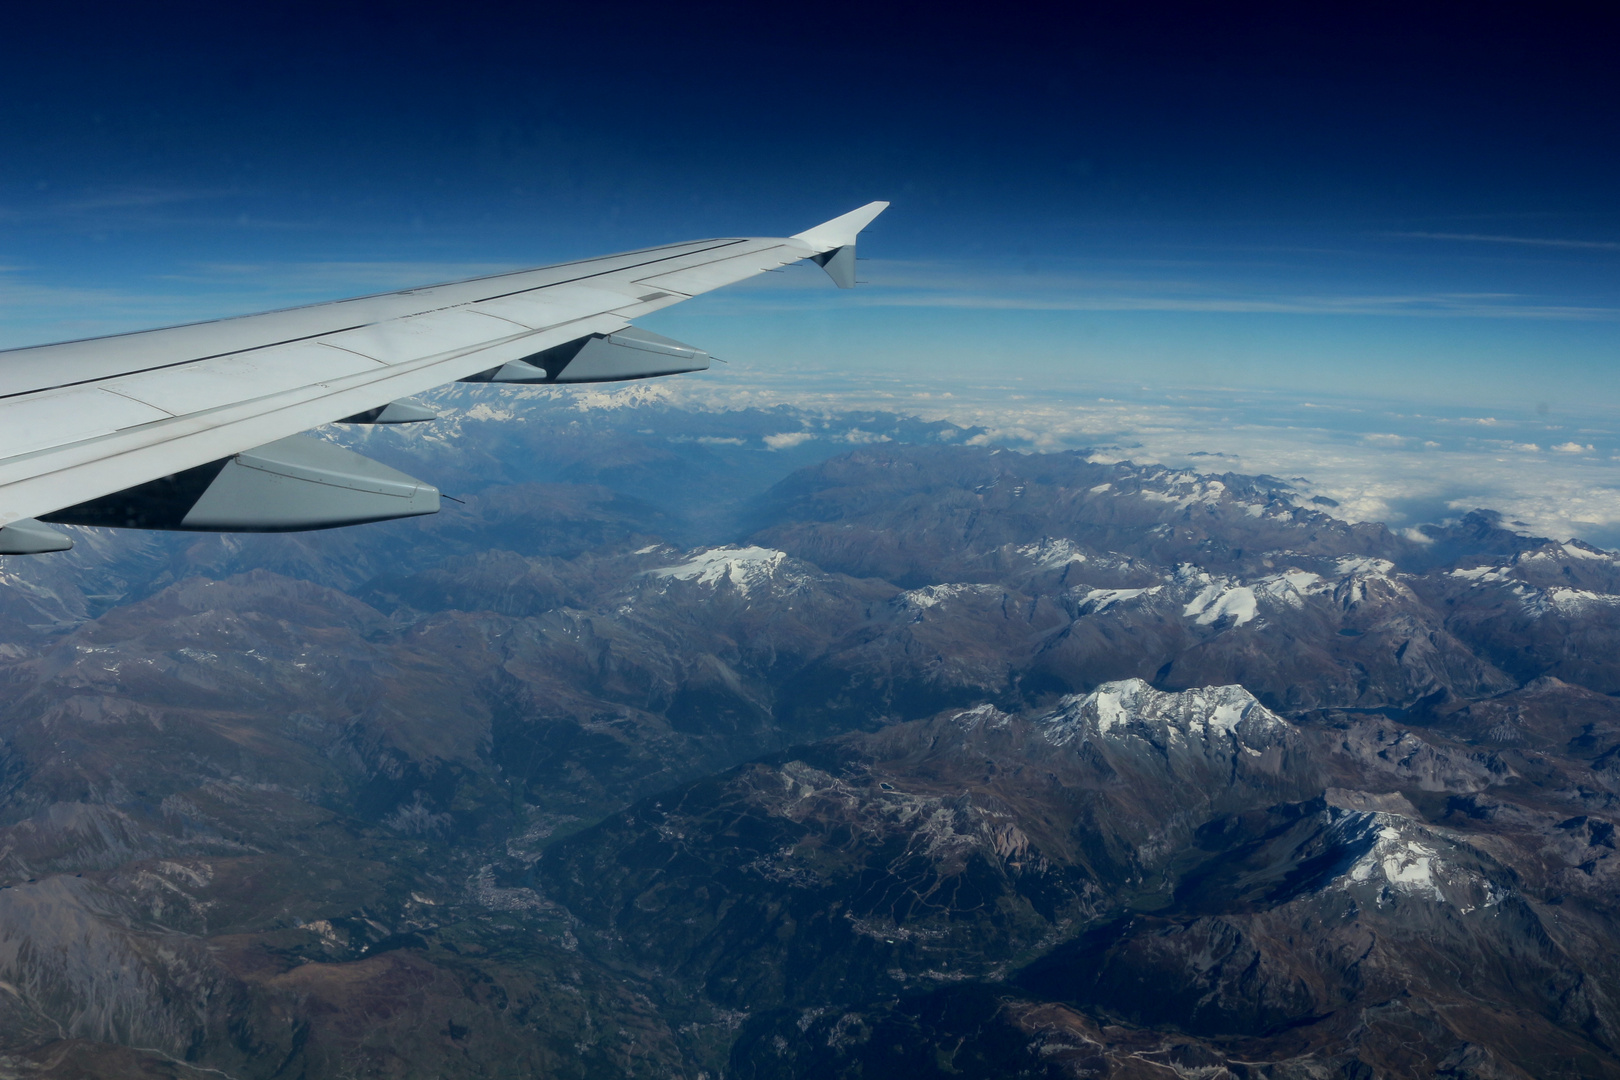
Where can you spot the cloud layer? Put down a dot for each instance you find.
(1379, 461)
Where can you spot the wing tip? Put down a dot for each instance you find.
(841, 230)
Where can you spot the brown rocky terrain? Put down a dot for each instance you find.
(927, 760)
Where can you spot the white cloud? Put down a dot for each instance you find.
(788, 439)
(1403, 480)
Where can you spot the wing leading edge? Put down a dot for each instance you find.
(195, 427)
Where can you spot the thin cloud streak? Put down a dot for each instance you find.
(1407, 306)
(1527, 241)
(152, 208)
(916, 284)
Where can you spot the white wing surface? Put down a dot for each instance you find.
(86, 420)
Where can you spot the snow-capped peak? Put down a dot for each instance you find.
(1364, 566)
(932, 595)
(1114, 708)
(1217, 598)
(1399, 857)
(742, 567)
(1050, 553)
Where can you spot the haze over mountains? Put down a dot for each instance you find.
(873, 753)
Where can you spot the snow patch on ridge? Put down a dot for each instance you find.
(986, 715)
(932, 595)
(1582, 551)
(1406, 864)
(1098, 600)
(1209, 598)
(484, 411)
(1537, 600)
(1565, 601)
(1404, 860)
(1482, 574)
(1364, 566)
(1218, 598)
(630, 397)
(1291, 587)
(745, 568)
(1050, 553)
(1570, 549)
(1182, 489)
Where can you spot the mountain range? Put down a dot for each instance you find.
(880, 752)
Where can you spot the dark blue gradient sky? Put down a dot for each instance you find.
(1391, 200)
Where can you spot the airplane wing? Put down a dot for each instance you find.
(197, 427)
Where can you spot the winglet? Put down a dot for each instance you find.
(834, 242)
(841, 230)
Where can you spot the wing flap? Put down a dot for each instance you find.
(534, 312)
(403, 340)
(56, 418)
(558, 305)
(227, 380)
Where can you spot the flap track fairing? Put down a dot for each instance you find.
(631, 353)
(289, 485)
(29, 537)
(395, 412)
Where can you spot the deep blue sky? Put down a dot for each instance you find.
(1377, 199)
